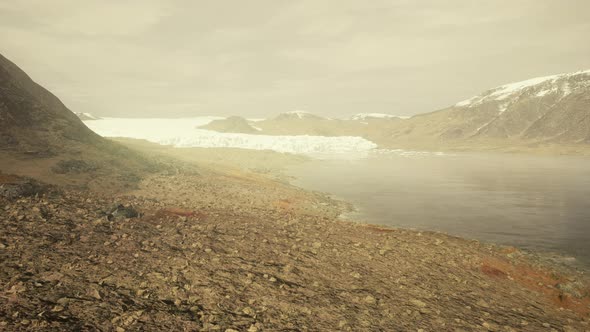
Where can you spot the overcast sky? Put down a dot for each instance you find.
(171, 58)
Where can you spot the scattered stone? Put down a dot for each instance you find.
(12, 187)
(94, 294)
(249, 311)
(57, 308)
(121, 211)
(482, 303)
(418, 303)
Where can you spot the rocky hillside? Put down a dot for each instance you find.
(41, 137)
(33, 119)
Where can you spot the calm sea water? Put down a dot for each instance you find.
(533, 202)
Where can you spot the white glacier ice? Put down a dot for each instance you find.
(184, 133)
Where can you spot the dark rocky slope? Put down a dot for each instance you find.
(41, 137)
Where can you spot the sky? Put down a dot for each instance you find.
(258, 58)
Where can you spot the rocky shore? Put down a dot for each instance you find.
(231, 250)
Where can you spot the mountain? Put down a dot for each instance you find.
(33, 119)
(552, 109)
(42, 138)
(233, 124)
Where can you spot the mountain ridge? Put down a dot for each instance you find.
(549, 110)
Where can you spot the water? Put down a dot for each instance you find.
(532, 202)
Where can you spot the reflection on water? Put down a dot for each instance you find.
(528, 201)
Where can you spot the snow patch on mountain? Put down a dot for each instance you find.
(365, 116)
(299, 114)
(183, 133)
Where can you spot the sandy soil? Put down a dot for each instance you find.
(224, 249)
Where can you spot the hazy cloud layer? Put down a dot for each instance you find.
(257, 58)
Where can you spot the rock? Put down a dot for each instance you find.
(57, 308)
(369, 299)
(63, 301)
(249, 311)
(13, 187)
(482, 303)
(122, 211)
(418, 303)
(94, 294)
(573, 288)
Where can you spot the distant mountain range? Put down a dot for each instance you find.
(546, 111)
(552, 110)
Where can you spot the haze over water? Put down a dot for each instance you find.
(532, 202)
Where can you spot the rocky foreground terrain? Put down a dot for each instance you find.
(209, 250)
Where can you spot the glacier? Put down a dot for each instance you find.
(183, 132)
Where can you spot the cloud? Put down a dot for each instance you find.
(91, 17)
(181, 57)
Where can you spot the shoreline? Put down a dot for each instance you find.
(218, 248)
(557, 255)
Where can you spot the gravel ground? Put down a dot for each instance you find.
(235, 251)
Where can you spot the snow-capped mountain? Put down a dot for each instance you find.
(556, 85)
(551, 109)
